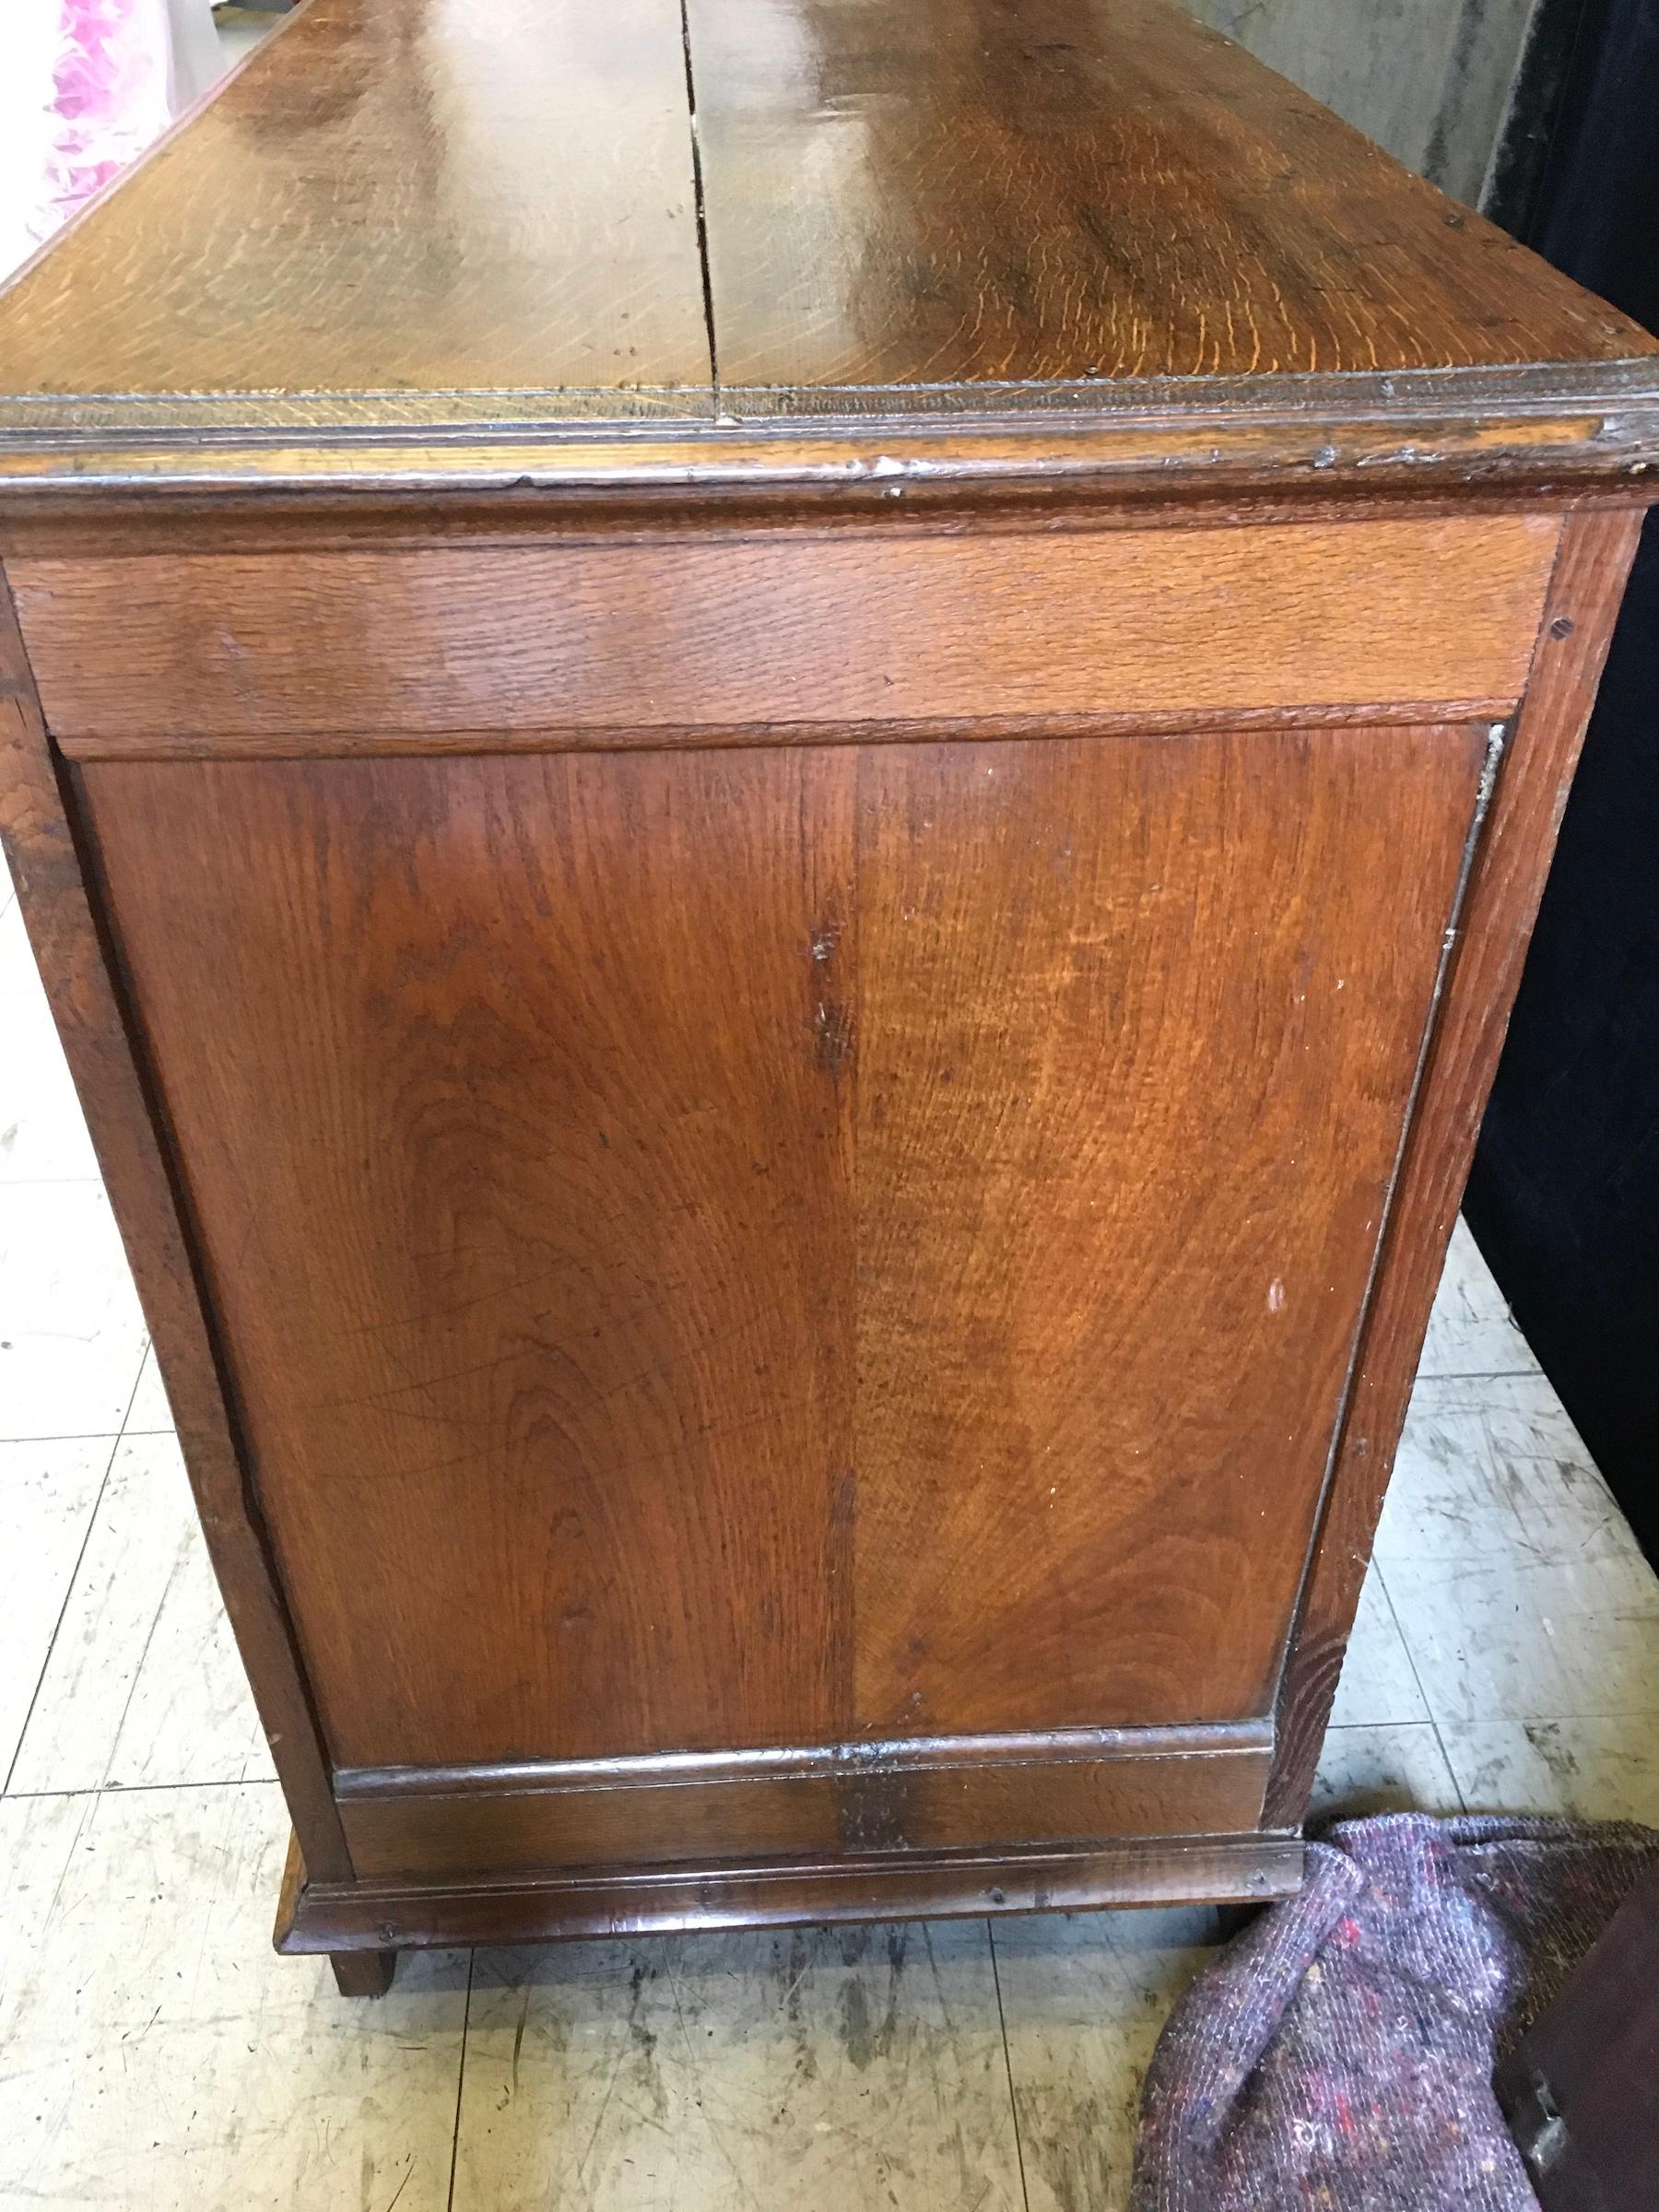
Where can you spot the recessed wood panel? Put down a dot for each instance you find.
(877, 626)
(768, 1247)
(519, 1157)
(1138, 1024)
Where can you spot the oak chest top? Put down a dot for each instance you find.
(760, 242)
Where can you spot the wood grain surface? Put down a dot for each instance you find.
(93, 1020)
(861, 1805)
(771, 1247)
(857, 626)
(1500, 902)
(92, 477)
(533, 1279)
(404, 213)
(960, 190)
(742, 741)
(400, 198)
(555, 1904)
(1112, 1240)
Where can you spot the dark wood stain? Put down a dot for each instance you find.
(858, 1808)
(343, 1919)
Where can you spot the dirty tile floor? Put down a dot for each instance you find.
(155, 2053)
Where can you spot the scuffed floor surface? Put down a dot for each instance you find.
(155, 2053)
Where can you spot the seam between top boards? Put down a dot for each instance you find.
(701, 206)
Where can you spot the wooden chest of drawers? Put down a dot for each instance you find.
(780, 776)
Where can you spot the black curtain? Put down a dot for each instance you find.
(1564, 1197)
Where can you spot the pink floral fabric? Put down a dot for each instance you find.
(113, 89)
(85, 87)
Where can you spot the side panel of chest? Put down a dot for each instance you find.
(788, 1247)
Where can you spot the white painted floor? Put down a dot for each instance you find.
(155, 2053)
